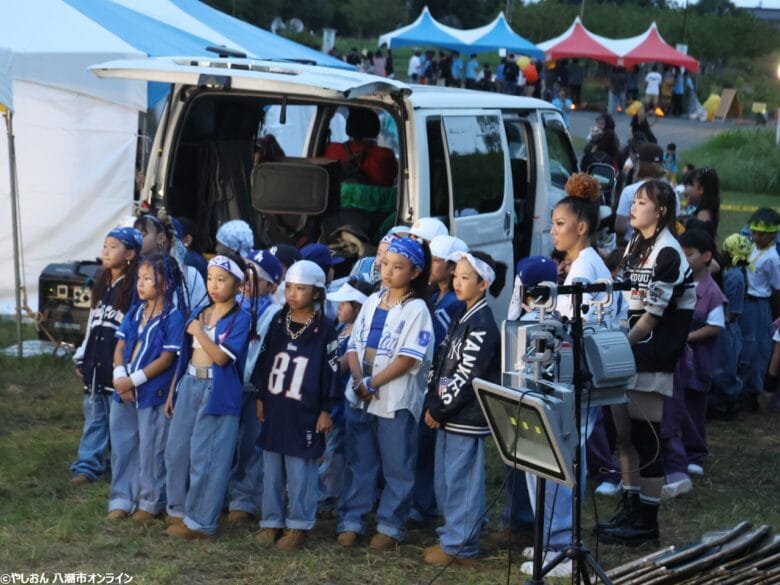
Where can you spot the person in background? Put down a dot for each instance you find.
(194, 256)
(762, 303)
(618, 83)
(704, 198)
(648, 166)
(413, 70)
(678, 91)
(563, 104)
(486, 82)
(456, 70)
(653, 82)
(471, 71)
(380, 64)
(632, 84)
(670, 163)
(576, 75)
(511, 75)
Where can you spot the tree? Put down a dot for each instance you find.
(365, 18)
(460, 13)
(717, 7)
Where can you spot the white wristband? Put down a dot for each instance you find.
(120, 372)
(138, 377)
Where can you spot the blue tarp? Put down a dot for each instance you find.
(499, 35)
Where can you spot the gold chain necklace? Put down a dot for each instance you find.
(296, 335)
(391, 304)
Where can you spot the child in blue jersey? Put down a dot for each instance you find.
(204, 404)
(144, 358)
(111, 297)
(245, 490)
(389, 354)
(470, 350)
(444, 306)
(297, 387)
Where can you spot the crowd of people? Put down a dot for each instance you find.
(252, 384)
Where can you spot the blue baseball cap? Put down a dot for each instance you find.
(321, 255)
(270, 266)
(535, 269)
(287, 254)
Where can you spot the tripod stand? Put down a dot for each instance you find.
(577, 552)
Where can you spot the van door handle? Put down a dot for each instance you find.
(507, 222)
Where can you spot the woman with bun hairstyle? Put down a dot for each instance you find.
(660, 310)
(575, 220)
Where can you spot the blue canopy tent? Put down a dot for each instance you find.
(499, 35)
(199, 19)
(425, 31)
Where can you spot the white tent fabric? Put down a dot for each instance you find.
(75, 162)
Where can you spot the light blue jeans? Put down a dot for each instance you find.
(200, 450)
(459, 479)
(94, 445)
(138, 437)
(296, 478)
(371, 440)
(245, 490)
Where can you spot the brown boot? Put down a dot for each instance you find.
(293, 539)
(239, 516)
(347, 539)
(173, 520)
(143, 517)
(268, 536)
(383, 543)
(184, 532)
(436, 556)
(80, 480)
(117, 514)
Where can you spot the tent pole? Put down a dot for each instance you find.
(15, 223)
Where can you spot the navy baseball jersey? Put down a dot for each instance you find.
(297, 380)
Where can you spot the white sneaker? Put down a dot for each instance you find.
(694, 469)
(676, 488)
(607, 488)
(562, 569)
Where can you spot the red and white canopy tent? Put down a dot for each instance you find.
(577, 42)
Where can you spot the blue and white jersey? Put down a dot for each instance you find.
(297, 379)
(443, 311)
(143, 345)
(408, 331)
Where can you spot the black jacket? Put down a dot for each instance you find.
(470, 350)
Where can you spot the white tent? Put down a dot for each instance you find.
(75, 138)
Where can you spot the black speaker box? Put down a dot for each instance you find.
(65, 297)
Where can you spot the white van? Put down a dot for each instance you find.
(491, 166)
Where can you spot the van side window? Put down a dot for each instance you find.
(476, 163)
(559, 150)
(437, 171)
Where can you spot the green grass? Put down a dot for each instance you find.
(747, 161)
(47, 525)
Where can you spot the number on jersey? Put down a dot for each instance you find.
(279, 371)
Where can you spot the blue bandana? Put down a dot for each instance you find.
(131, 238)
(409, 249)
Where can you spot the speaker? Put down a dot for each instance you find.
(65, 297)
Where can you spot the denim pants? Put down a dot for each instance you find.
(138, 437)
(297, 478)
(756, 343)
(245, 489)
(372, 440)
(460, 492)
(332, 468)
(423, 495)
(94, 445)
(199, 451)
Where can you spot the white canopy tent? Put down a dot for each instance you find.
(75, 139)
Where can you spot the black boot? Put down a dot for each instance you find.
(644, 528)
(627, 509)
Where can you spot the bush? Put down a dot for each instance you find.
(746, 160)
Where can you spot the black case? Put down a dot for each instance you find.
(64, 299)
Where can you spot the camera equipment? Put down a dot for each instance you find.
(64, 299)
(536, 420)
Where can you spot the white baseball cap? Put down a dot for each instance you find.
(305, 272)
(428, 228)
(347, 293)
(446, 245)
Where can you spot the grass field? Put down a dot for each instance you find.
(48, 526)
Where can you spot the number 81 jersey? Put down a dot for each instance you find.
(297, 380)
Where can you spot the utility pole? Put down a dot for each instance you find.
(685, 22)
(508, 11)
(582, 11)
